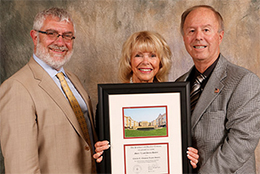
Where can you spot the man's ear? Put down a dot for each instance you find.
(34, 36)
(221, 35)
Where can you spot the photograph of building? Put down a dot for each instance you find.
(152, 120)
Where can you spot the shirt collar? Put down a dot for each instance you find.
(52, 72)
(209, 70)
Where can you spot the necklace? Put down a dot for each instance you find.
(131, 80)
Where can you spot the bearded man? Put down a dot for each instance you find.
(40, 130)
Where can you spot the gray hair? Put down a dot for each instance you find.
(54, 12)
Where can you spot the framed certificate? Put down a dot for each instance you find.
(147, 125)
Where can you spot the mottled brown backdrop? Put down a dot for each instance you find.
(103, 25)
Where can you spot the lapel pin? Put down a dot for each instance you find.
(216, 90)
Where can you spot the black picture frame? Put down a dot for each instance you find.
(131, 90)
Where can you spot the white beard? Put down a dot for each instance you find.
(43, 54)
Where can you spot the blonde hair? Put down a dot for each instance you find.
(145, 41)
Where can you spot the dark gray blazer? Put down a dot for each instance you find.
(225, 124)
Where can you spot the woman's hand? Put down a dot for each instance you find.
(100, 146)
(193, 156)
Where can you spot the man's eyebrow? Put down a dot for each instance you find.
(58, 31)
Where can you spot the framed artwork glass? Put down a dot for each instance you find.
(147, 125)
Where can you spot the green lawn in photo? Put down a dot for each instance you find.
(147, 133)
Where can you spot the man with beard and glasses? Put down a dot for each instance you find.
(225, 117)
(41, 131)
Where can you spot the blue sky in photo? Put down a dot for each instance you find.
(144, 114)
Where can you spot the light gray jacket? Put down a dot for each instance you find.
(225, 124)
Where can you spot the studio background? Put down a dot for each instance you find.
(102, 26)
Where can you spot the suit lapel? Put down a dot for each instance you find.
(212, 89)
(185, 76)
(49, 86)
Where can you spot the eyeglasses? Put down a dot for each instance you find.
(52, 34)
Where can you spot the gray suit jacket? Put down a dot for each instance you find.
(225, 124)
(39, 132)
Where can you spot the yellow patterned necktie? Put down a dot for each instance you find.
(78, 112)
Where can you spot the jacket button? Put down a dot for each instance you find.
(87, 148)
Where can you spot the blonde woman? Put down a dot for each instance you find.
(146, 58)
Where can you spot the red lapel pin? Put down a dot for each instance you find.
(216, 90)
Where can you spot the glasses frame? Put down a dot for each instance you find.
(45, 32)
